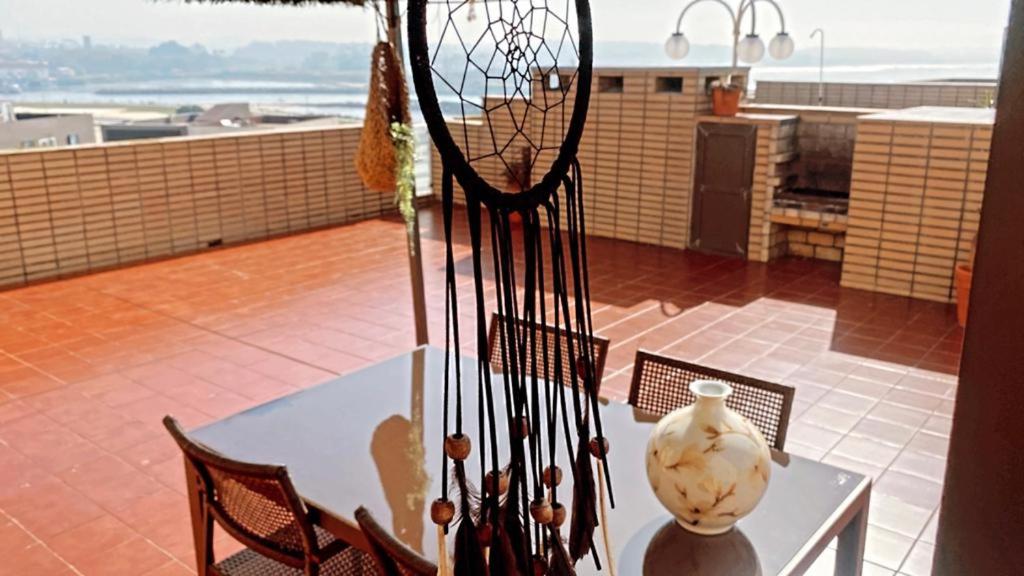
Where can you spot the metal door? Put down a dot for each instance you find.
(720, 222)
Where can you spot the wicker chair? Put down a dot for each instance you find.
(662, 384)
(600, 350)
(393, 557)
(258, 505)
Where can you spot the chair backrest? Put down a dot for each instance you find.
(393, 557)
(661, 385)
(553, 334)
(255, 503)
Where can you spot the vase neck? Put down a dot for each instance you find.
(710, 394)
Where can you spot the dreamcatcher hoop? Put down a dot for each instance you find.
(455, 159)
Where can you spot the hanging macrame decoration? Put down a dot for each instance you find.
(379, 153)
(517, 80)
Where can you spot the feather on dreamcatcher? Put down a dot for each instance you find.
(523, 69)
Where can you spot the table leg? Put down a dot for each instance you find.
(850, 554)
(200, 538)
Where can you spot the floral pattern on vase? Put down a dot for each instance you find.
(708, 465)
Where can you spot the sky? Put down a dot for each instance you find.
(939, 25)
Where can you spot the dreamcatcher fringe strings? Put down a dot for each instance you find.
(547, 385)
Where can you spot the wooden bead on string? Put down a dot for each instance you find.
(557, 514)
(442, 511)
(541, 511)
(524, 427)
(552, 474)
(499, 480)
(457, 446)
(596, 445)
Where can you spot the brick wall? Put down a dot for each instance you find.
(880, 95)
(86, 208)
(918, 181)
(810, 233)
(636, 152)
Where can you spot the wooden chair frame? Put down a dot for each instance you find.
(601, 346)
(393, 557)
(200, 457)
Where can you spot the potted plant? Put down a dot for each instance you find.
(964, 276)
(725, 97)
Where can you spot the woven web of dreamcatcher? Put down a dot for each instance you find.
(485, 69)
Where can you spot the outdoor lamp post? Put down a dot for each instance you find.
(750, 49)
(821, 66)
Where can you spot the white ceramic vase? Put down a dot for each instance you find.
(707, 464)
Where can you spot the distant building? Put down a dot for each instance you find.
(218, 119)
(142, 131)
(44, 130)
(19, 69)
(87, 42)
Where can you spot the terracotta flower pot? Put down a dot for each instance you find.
(725, 101)
(964, 274)
(708, 465)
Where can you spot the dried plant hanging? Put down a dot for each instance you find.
(520, 76)
(405, 171)
(387, 104)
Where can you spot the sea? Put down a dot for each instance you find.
(349, 99)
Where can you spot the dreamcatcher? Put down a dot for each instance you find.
(523, 69)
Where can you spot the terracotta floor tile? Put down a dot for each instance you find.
(938, 425)
(13, 538)
(864, 388)
(49, 507)
(885, 548)
(35, 559)
(922, 385)
(928, 535)
(811, 435)
(11, 409)
(136, 556)
(872, 569)
(89, 366)
(875, 374)
(910, 489)
(831, 419)
(897, 414)
(883, 432)
(867, 451)
(173, 568)
(858, 466)
(808, 391)
(849, 403)
(898, 516)
(919, 561)
(805, 451)
(914, 400)
(930, 444)
(921, 465)
(110, 481)
(95, 536)
(288, 370)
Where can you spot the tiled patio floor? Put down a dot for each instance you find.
(90, 483)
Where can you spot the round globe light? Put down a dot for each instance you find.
(677, 46)
(751, 49)
(781, 47)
